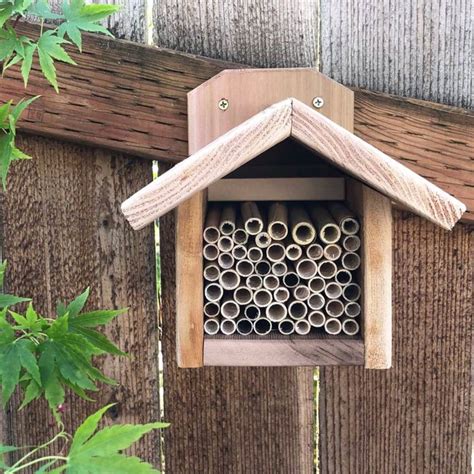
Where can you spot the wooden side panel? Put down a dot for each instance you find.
(64, 232)
(189, 282)
(415, 417)
(375, 211)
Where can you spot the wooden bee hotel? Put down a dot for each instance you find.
(284, 225)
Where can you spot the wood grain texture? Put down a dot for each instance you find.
(282, 352)
(228, 419)
(417, 49)
(189, 283)
(275, 33)
(64, 232)
(325, 137)
(150, 86)
(416, 416)
(375, 214)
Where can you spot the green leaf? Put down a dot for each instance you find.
(116, 464)
(97, 339)
(25, 349)
(54, 392)
(27, 63)
(49, 49)
(10, 372)
(10, 300)
(32, 392)
(96, 318)
(75, 306)
(6, 141)
(7, 449)
(59, 327)
(42, 9)
(81, 17)
(21, 106)
(4, 111)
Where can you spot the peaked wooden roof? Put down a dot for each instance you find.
(292, 118)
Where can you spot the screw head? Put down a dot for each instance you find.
(318, 102)
(223, 104)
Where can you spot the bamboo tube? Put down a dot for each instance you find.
(227, 221)
(327, 269)
(314, 252)
(239, 252)
(263, 240)
(255, 254)
(344, 218)
(210, 252)
(351, 292)
(254, 282)
(278, 221)
(302, 229)
(229, 279)
(230, 309)
(333, 326)
(279, 268)
(333, 290)
(332, 252)
(240, 236)
(228, 327)
(306, 268)
(316, 301)
(211, 232)
(317, 284)
(262, 326)
(352, 309)
(329, 232)
(350, 326)
(225, 243)
(291, 279)
(213, 292)
(276, 252)
(293, 251)
(271, 282)
(335, 308)
(262, 298)
(301, 293)
(263, 268)
(302, 327)
(244, 326)
(343, 276)
(212, 309)
(211, 326)
(243, 295)
(276, 312)
(350, 261)
(351, 243)
(297, 310)
(317, 319)
(253, 222)
(225, 260)
(244, 268)
(286, 327)
(211, 272)
(252, 312)
(281, 294)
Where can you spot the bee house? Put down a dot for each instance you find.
(284, 225)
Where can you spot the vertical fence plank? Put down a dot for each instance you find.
(63, 231)
(234, 420)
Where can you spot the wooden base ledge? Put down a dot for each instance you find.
(292, 351)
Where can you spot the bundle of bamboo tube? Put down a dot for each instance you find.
(281, 267)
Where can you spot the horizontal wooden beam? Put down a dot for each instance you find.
(132, 98)
(277, 351)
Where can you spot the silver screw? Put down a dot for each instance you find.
(318, 102)
(223, 104)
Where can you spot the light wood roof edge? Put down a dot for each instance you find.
(291, 117)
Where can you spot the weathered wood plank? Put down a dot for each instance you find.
(273, 33)
(102, 101)
(63, 232)
(417, 49)
(229, 419)
(416, 416)
(279, 352)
